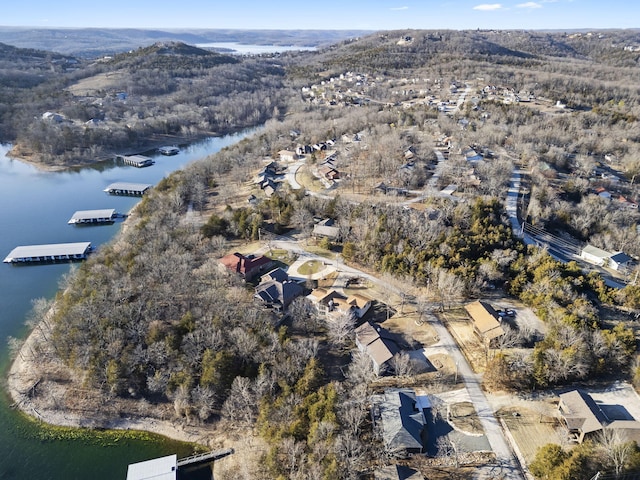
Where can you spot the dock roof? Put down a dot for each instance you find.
(163, 468)
(138, 187)
(83, 215)
(51, 250)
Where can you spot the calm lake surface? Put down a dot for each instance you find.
(247, 49)
(34, 209)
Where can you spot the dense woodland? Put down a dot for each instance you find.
(169, 90)
(172, 330)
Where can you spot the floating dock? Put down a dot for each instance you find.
(136, 160)
(85, 217)
(57, 252)
(169, 150)
(124, 188)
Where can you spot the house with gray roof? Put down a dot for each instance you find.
(276, 290)
(400, 421)
(397, 472)
(620, 261)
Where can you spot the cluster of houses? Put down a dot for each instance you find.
(276, 290)
(344, 90)
(506, 95)
(314, 148)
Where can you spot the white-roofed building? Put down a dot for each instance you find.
(163, 468)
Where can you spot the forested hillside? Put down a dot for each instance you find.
(123, 103)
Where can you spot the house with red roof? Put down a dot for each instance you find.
(247, 266)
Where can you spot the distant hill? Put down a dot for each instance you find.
(96, 42)
(169, 56)
(26, 67)
(411, 49)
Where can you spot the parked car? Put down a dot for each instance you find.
(508, 312)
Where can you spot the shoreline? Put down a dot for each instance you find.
(26, 377)
(39, 385)
(27, 156)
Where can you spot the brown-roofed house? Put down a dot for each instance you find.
(585, 418)
(328, 301)
(375, 342)
(359, 304)
(485, 321)
(248, 267)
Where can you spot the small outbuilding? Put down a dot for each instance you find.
(620, 261)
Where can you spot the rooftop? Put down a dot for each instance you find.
(163, 468)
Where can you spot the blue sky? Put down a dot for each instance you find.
(327, 14)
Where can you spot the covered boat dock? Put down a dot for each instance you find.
(83, 217)
(136, 160)
(49, 253)
(124, 188)
(169, 150)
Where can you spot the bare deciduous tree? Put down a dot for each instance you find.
(616, 447)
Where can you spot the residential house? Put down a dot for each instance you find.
(401, 422)
(620, 261)
(485, 321)
(378, 344)
(53, 117)
(248, 267)
(388, 190)
(329, 172)
(603, 193)
(276, 290)
(585, 418)
(359, 304)
(326, 229)
(397, 472)
(332, 301)
(616, 261)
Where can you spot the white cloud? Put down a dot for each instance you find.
(488, 6)
(399, 8)
(529, 5)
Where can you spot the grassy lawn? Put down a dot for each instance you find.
(310, 267)
(321, 252)
(282, 255)
(305, 178)
(531, 429)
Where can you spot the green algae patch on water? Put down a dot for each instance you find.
(44, 432)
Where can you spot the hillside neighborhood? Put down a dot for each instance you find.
(420, 271)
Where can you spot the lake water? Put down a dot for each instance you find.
(34, 209)
(247, 49)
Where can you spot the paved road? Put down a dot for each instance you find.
(509, 466)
